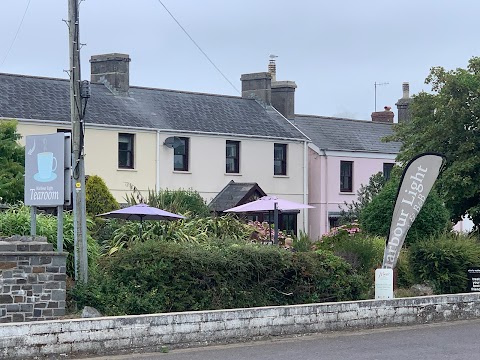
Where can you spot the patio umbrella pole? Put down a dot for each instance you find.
(270, 225)
(275, 223)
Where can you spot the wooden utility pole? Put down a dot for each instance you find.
(78, 166)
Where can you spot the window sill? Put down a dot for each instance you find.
(127, 169)
(346, 193)
(281, 176)
(233, 174)
(181, 172)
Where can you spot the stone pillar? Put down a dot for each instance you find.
(32, 279)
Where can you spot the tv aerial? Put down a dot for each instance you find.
(378, 84)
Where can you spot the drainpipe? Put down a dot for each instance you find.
(157, 164)
(305, 186)
(326, 191)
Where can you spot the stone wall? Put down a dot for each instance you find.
(32, 280)
(127, 334)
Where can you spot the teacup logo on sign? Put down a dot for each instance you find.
(44, 170)
(46, 164)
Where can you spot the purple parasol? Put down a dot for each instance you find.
(142, 212)
(269, 203)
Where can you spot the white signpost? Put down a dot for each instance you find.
(383, 284)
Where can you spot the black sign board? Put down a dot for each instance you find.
(473, 279)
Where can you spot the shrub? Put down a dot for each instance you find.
(98, 198)
(155, 276)
(16, 221)
(405, 277)
(376, 217)
(177, 201)
(196, 230)
(363, 252)
(302, 243)
(443, 262)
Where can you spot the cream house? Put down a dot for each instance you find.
(166, 139)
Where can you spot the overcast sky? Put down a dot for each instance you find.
(334, 50)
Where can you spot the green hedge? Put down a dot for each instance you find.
(443, 262)
(155, 277)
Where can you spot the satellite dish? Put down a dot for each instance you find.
(172, 142)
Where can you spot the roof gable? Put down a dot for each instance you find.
(234, 194)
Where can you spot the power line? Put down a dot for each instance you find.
(16, 34)
(198, 46)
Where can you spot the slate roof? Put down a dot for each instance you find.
(29, 97)
(329, 133)
(234, 194)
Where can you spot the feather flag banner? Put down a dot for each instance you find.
(417, 180)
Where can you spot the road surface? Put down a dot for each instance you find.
(453, 341)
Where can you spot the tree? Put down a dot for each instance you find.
(447, 121)
(376, 217)
(12, 160)
(364, 195)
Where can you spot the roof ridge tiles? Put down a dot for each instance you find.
(339, 118)
(33, 77)
(131, 87)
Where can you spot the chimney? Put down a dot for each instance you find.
(385, 116)
(111, 70)
(257, 86)
(283, 98)
(403, 104)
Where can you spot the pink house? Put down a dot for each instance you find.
(343, 155)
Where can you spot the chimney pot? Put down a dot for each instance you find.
(272, 69)
(406, 90)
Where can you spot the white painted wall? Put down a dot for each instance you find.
(206, 162)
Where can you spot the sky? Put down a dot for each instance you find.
(335, 51)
